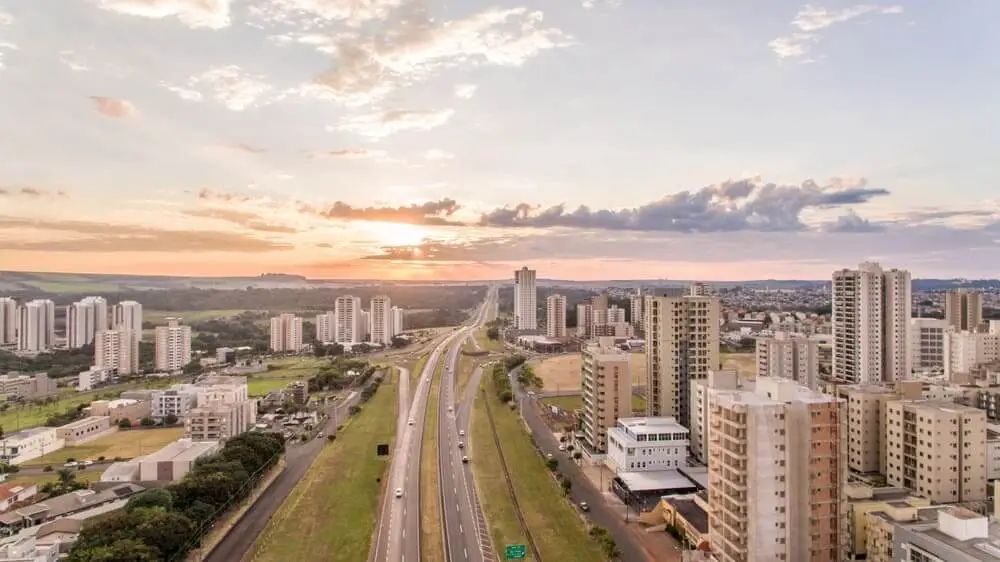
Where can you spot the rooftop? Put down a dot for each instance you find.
(11, 489)
(182, 450)
(84, 422)
(690, 511)
(26, 433)
(72, 502)
(651, 425)
(118, 403)
(657, 481)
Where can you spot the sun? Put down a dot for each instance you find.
(399, 234)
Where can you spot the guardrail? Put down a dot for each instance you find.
(510, 483)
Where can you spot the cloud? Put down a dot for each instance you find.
(243, 147)
(5, 19)
(727, 207)
(811, 20)
(436, 154)
(115, 108)
(416, 47)
(251, 221)
(380, 125)
(347, 153)
(432, 213)
(103, 237)
(210, 14)
(311, 13)
(213, 195)
(71, 60)
(465, 91)
(591, 4)
(852, 222)
(324, 245)
(28, 192)
(229, 85)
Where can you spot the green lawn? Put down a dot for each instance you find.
(124, 444)
(574, 402)
(557, 529)
(431, 546)
(331, 513)
(486, 343)
(92, 475)
(288, 370)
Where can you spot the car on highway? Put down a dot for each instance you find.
(465, 460)
(584, 506)
(399, 492)
(70, 464)
(450, 409)
(461, 433)
(461, 445)
(411, 421)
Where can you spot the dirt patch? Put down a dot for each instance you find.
(562, 372)
(744, 363)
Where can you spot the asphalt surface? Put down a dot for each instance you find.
(601, 513)
(298, 458)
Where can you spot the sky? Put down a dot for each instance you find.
(418, 139)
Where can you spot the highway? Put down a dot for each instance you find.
(466, 535)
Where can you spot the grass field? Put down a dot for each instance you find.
(331, 513)
(288, 370)
(125, 444)
(744, 363)
(466, 366)
(81, 475)
(486, 343)
(558, 531)
(431, 546)
(575, 402)
(491, 487)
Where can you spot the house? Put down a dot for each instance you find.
(13, 493)
(66, 505)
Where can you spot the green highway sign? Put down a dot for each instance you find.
(515, 552)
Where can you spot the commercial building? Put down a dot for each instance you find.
(682, 345)
(8, 321)
(14, 493)
(776, 449)
(225, 355)
(937, 449)
(702, 391)
(27, 386)
(871, 324)
(81, 431)
(117, 350)
(127, 315)
(173, 346)
(867, 407)
(36, 325)
(862, 500)
(606, 387)
(963, 309)
(286, 334)
(525, 300)
(789, 356)
(121, 409)
(647, 445)
(381, 329)
(348, 320)
(927, 336)
(169, 464)
(964, 351)
(958, 535)
(28, 444)
(555, 316)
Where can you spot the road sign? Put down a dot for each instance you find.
(515, 552)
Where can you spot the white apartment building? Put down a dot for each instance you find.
(176, 401)
(117, 350)
(775, 474)
(682, 344)
(702, 391)
(224, 409)
(397, 321)
(635, 303)
(348, 317)
(789, 356)
(964, 351)
(380, 320)
(606, 388)
(127, 315)
(84, 319)
(364, 325)
(173, 346)
(93, 377)
(36, 321)
(927, 337)
(324, 327)
(647, 444)
(525, 300)
(937, 449)
(555, 316)
(286, 333)
(963, 309)
(615, 315)
(8, 321)
(871, 324)
(584, 320)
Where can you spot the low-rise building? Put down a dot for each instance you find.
(862, 500)
(225, 355)
(219, 421)
(27, 549)
(647, 444)
(688, 515)
(65, 505)
(169, 464)
(175, 401)
(14, 493)
(27, 386)
(81, 431)
(300, 392)
(883, 524)
(93, 378)
(958, 535)
(121, 409)
(28, 444)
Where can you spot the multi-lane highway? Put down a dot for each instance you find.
(397, 536)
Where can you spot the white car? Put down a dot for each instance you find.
(411, 421)
(562, 447)
(461, 433)
(461, 445)
(399, 492)
(70, 464)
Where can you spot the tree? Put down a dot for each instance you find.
(493, 333)
(170, 419)
(156, 498)
(147, 422)
(124, 550)
(553, 464)
(124, 423)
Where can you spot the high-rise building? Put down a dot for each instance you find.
(937, 449)
(927, 343)
(635, 303)
(963, 309)
(867, 406)
(776, 449)
(616, 315)
(286, 333)
(555, 316)
(36, 325)
(348, 318)
(117, 350)
(84, 319)
(380, 318)
(606, 387)
(8, 321)
(963, 351)
(127, 315)
(397, 321)
(173, 345)
(682, 344)
(789, 356)
(871, 324)
(584, 320)
(325, 327)
(364, 325)
(525, 300)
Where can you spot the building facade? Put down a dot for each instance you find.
(525, 300)
(127, 315)
(555, 316)
(702, 392)
(84, 319)
(380, 329)
(8, 321)
(348, 320)
(286, 333)
(963, 309)
(117, 350)
(927, 337)
(789, 356)
(964, 351)
(173, 345)
(606, 388)
(647, 444)
(36, 325)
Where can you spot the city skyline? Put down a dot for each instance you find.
(399, 140)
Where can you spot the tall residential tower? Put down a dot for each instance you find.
(525, 300)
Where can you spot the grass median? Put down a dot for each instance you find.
(431, 542)
(331, 513)
(557, 529)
